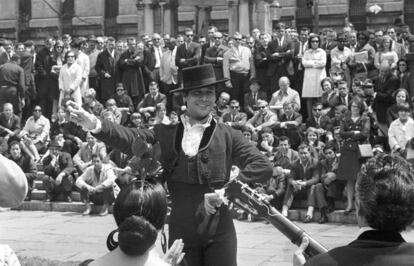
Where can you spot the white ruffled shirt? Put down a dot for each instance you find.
(192, 135)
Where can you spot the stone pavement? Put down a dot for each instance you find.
(67, 236)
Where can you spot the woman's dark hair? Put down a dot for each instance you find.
(406, 63)
(360, 103)
(67, 53)
(407, 96)
(328, 79)
(385, 192)
(310, 40)
(139, 211)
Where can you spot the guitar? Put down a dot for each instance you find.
(249, 200)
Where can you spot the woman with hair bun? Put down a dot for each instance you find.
(139, 211)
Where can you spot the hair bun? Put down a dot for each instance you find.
(136, 235)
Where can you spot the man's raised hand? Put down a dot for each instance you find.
(81, 117)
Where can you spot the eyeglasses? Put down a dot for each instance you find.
(218, 38)
(317, 109)
(235, 107)
(37, 110)
(156, 39)
(262, 107)
(315, 41)
(250, 43)
(119, 89)
(59, 47)
(390, 32)
(189, 35)
(237, 39)
(70, 56)
(247, 134)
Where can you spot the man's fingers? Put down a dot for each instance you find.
(304, 245)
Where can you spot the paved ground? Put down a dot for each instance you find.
(72, 237)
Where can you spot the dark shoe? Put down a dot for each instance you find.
(347, 211)
(331, 207)
(307, 219)
(68, 199)
(324, 217)
(49, 198)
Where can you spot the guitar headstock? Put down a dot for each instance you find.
(247, 198)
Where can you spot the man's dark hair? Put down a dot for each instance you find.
(385, 193)
(284, 138)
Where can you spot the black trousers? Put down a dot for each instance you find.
(99, 198)
(64, 188)
(240, 83)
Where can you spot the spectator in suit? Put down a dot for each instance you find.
(214, 55)
(385, 192)
(234, 117)
(395, 46)
(26, 163)
(252, 97)
(106, 68)
(6, 56)
(209, 42)
(149, 102)
(222, 105)
(12, 84)
(303, 174)
(188, 53)
(83, 61)
(403, 74)
(156, 52)
(93, 56)
(345, 97)
(169, 71)
(283, 95)
(238, 67)
(112, 108)
(328, 44)
(97, 185)
(300, 46)
(59, 171)
(289, 124)
(268, 142)
(319, 121)
(83, 158)
(261, 61)
(263, 118)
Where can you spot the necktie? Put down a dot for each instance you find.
(255, 98)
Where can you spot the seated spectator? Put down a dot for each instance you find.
(59, 171)
(303, 174)
(329, 188)
(90, 104)
(83, 158)
(72, 133)
(321, 122)
(35, 133)
(401, 131)
(267, 143)
(345, 97)
(97, 185)
(234, 117)
(283, 95)
(178, 104)
(9, 125)
(174, 118)
(26, 163)
(112, 108)
(339, 115)
(222, 105)
(248, 134)
(336, 140)
(289, 125)
(251, 99)
(330, 97)
(148, 104)
(136, 121)
(312, 139)
(263, 118)
(123, 102)
(161, 115)
(401, 97)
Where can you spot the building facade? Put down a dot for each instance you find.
(35, 19)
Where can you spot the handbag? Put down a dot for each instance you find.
(365, 150)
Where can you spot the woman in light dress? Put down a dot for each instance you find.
(70, 77)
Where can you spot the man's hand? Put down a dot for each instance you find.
(228, 84)
(91, 190)
(59, 179)
(79, 116)
(211, 202)
(106, 75)
(298, 257)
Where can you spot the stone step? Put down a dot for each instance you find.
(303, 204)
(41, 195)
(79, 207)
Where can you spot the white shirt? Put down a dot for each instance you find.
(158, 55)
(192, 135)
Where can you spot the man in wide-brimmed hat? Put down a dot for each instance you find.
(197, 155)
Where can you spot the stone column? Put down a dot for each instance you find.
(202, 17)
(171, 18)
(244, 17)
(148, 17)
(233, 16)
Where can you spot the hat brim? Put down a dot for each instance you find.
(199, 86)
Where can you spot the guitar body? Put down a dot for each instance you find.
(251, 201)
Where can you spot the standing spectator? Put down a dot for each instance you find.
(328, 45)
(149, 102)
(6, 56)
(385, 56)
(251, 98)
(210, 42)
(67, 39)
(70, 80)
(43, 67)
(403, 74)
(92, 105)
(214, 55)
(94, 52)
(27, 58)
(188, 54)
(97, 185)
(35, 133)
(157, 52)
(340, 56)
(12, 84)
(83, 61)
(130, 65)
(26, 163)
(314, 61)
(301, 45)
(58, 60)
(401, 132)
(238, 67)
(303, 174)
(395, 46)
(83, 158)
(401, 97)
(366, 68)
(59, 170)
(169, 71)
(261, 62)
(355, 129)
(123, 102)
(106, 67)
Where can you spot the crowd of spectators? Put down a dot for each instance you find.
(317, 105)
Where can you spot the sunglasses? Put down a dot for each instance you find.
(59, 46)
(235, 107)
(119, 89)
(237, 39)
(314, 41)
(70, 56)
(37, 110)
(317, 109)
(189, 35)
(218, 38)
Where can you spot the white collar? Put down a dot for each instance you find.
(187, 125)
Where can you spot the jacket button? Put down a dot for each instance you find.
(204, 175)
(204, 158)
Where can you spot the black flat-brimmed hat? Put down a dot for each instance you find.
(197, 77)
